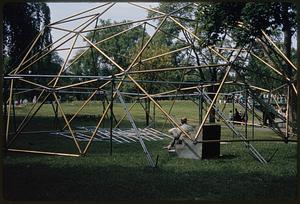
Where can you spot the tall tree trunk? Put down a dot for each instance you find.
(292, 114)
(2, 102)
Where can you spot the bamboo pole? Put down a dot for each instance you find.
(259, 88)
(212, 103)
(74, 19)
(187, 30)
(38, 98)
(217, 93)
(42, 152)
(160, 55)
(294, 88)
(255, 87)
(104, 40)
(122, 118)
(43, 55)
(160, 94)
(99, 50)
(64, 29)
(169, 16)
(35, 132)
(165, 32)
(121, 24)
(170, 118)
(88, 22)
(176, 68)
(186, 89)
(281, 74)
(101, 41)
(95, 17)
(9, 109)
(159, 12)
(65, 62)
(171, 91)
(159, 107)
(35, 84)
(146, 44)
(51, 50)
(280, 52)
(74, 15)
(230, 48)
(279, 87)
(101, 119)
(26, 91)
(76, 84)
(20, 128)
(29, 50)
(67, 122)
(268, 65)
(118, 66)
(14, 69)
(84, 104)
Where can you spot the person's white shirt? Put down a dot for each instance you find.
(176, 131)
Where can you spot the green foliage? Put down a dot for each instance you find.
(117, 48)
(169, 26)
(22, 23)
(153, 49)
(219, 18)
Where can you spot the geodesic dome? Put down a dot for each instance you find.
(228, 60)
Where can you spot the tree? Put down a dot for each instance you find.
(154, 48)
(214, 23)
(117, 48)
(147, 80)
(199, 54)
(22, 22)
(221, 18)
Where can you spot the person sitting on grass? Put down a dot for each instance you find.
(237, 116)
(177, 133)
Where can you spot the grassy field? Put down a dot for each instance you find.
(125, 174)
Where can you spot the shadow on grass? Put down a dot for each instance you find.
(86, 180)
(227, 157)
(125, 175)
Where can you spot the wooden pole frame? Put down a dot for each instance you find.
(124, 72)
(85, 103)
(67, 122)
(83, 12)
(279, 51)
(49, 47)
(23, 125)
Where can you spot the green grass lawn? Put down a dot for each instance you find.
(125, 174)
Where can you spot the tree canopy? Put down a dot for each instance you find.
(22, 23)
